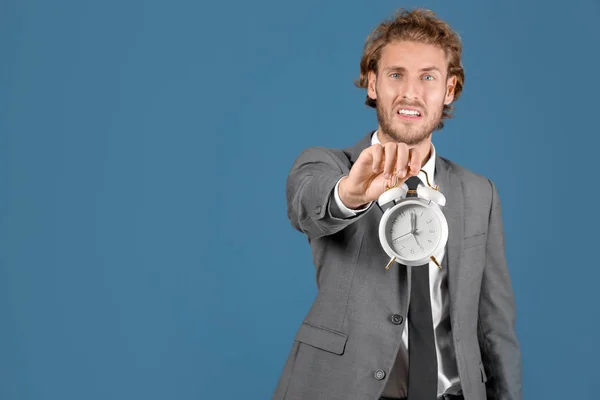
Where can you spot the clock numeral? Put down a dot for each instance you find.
(421, 213)
(422, 249)
(429, 241)
(432, 231)
(412, 251)
(429, 220)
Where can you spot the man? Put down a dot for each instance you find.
(419, 332)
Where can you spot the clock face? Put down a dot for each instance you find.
(413, 231)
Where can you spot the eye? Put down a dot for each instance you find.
(395, 75)
(426, 77)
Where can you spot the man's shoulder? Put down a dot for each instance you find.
(463, 173)
(474, 184)
(324, 154)
(340, 157)
(345, 155)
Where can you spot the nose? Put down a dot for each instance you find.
(410, 89)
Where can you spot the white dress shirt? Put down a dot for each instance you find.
(448, 379)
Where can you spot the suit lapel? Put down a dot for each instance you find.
(451, 187)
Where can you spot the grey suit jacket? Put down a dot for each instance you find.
(347, 343)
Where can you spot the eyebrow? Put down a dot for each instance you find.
(426, 69)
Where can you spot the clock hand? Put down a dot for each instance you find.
(419, 244)
(415, 223)
(401, 236)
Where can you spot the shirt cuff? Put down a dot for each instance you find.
(338, 209)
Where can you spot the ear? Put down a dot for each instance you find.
(450, 87)
(371, 85)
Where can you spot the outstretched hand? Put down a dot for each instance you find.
(377, 166)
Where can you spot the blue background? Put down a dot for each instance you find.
(145, 251)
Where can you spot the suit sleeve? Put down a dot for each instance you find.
(501, 353)
(309, 192)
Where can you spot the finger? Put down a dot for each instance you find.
(401, 160)
(415, 162)
(365, 159)
(390, 159)
(377, 154)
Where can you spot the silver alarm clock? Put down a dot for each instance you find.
(413, 230)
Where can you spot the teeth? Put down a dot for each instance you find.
(408, 112)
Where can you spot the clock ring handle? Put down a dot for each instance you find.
(427, 179)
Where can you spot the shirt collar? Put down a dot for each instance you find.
(429, 166)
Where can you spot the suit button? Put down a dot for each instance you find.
(397, 319)
(318, 210)
(379, 374)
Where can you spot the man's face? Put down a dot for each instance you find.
(411, 89)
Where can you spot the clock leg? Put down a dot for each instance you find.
(436, 262)
(390, 263)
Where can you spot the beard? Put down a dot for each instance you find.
(410, 133)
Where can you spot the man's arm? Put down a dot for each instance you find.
(501, 353)
(311, 199)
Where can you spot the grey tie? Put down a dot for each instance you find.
(422, 360)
